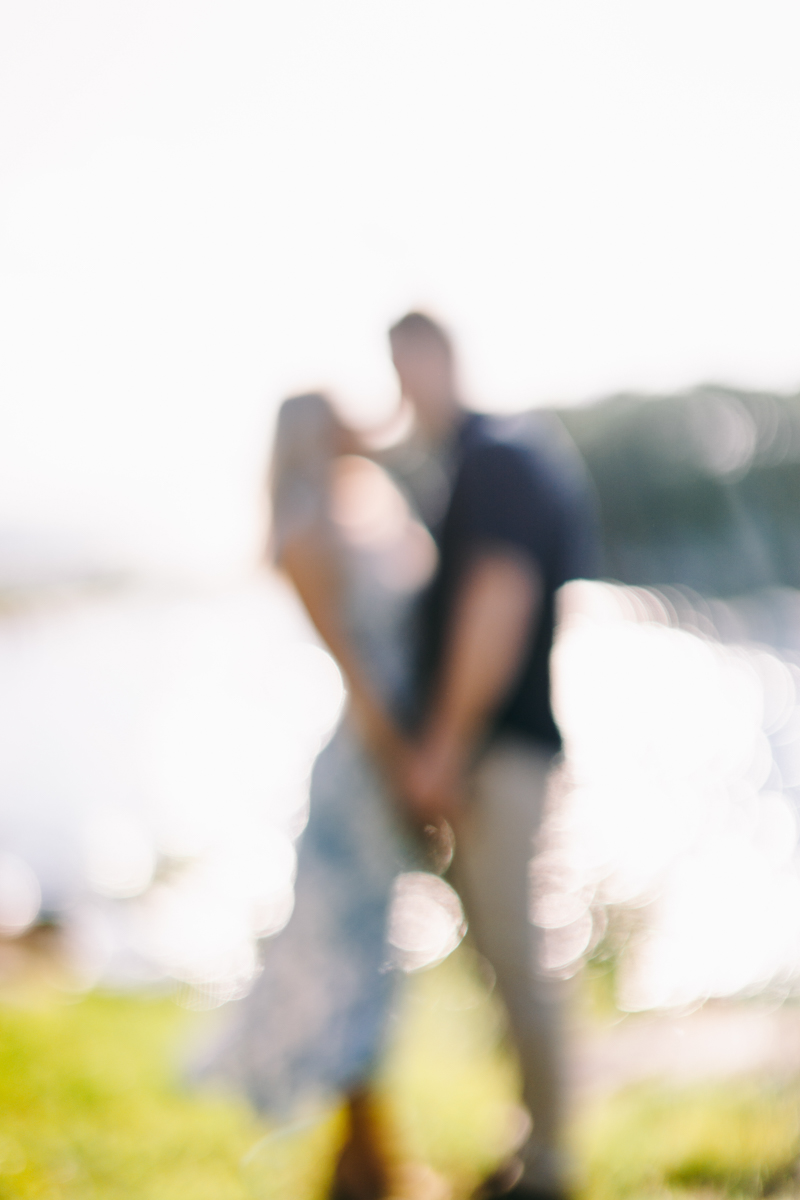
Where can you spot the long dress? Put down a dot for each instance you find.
(314, 1024)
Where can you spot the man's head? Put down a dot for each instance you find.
(423, 358)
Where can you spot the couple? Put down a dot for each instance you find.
(441, 618)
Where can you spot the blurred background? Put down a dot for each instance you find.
(206, 206)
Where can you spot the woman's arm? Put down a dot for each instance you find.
(308, 439)
(311, 560)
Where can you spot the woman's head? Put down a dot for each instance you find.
(307, 437)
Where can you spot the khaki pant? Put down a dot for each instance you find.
(494, 845)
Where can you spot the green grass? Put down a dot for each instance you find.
(90, 1109)
(737, 1140)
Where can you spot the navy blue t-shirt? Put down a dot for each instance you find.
(518, 484)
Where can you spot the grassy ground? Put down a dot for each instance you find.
(90, 1110)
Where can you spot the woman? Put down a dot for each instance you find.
(314, 1024)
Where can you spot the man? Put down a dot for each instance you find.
(512, 514)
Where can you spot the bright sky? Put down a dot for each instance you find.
(206, 203)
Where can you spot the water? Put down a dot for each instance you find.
(157, 747)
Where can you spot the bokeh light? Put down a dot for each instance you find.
(155, 782)
(20, 895)
(674, 807)
(426, 921)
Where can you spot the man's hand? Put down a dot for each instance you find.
(433, 779)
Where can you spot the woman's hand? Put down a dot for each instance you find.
(387, 745)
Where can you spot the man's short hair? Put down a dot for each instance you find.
(419, 326)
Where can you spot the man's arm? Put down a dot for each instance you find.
(495, 613)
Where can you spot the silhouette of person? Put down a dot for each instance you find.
(512, 512)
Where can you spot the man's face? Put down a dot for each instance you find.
(425, 371)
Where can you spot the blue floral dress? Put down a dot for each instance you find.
(314, 1023)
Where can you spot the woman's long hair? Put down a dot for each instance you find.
(299, 478)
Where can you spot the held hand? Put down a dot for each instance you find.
(433, 780)
(427, 779)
